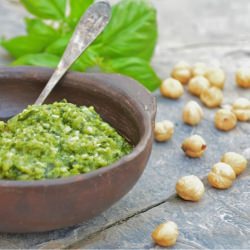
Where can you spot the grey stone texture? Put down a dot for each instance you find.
(210, 31)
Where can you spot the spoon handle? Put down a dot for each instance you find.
(91, 24)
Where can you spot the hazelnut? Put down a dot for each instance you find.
(192, 113)
(221, 176)
(216, 77)
(225, 119)
(165, 234)
(171, 88)
(199, 69)
(241, 108)
(182, 72)
(236, 161)
(163, 130)
(194, 146)
(197, 84)
(190, 188)
(212, 97)
(242, 77)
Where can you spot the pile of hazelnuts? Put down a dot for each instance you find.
(206, 83)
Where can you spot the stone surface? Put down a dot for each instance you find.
(211, 31)
(203, 225)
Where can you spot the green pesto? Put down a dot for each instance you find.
(57, 140)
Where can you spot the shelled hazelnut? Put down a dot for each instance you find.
(225, 119)
(194, 146)
(212, 97)
(163, 130)
(182, 72)
(190, 188)
(216, 77)
(165, 234)
(237, 161)
(171, 88)
(241, 108)
(242, 77)
(199, 69)
(221, 176)
(197, 84)
(192, 113)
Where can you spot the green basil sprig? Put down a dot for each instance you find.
(126, 46)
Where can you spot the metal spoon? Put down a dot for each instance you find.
(91, 24)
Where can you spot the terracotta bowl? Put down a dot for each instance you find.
(36, 206)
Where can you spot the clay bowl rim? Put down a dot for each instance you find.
(139, 148)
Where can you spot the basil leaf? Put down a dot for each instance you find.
(38, 27)
(132, 31)
(43, 60)
(137, 68)
(47, 9)
(77, 8)
(22, 45)
(90, 58)
(59, 45)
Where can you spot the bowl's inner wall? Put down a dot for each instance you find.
(115, 108)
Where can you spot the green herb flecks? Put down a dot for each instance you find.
(57, 140)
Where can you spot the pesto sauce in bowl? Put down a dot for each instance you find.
(57, 140)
